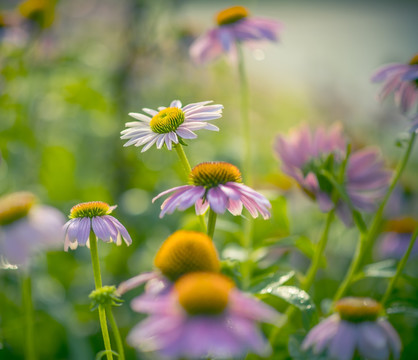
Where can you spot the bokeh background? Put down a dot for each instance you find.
(71, 71)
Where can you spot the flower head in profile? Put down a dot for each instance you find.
(402, 81)
(234, 25)
(181, 253)
(26, 228)
(170, 124)
(310, 156)
(396, 237)
(355, 329)
(203, 316)
(93, 216)
(216, 184)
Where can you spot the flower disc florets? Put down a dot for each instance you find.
(186, 251)
(90, 209)
(15, 206)
(203, 293)
(404, 225)
(167, 120)
(106, 295)
(231, 15)
(211, 174)
(358, 309)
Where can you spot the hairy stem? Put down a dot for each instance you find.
(211, 222)
(116, 333)
(98, 284)
(187, 169)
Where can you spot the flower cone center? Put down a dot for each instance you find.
(414, 60)
(184, 252)
(211, 174)
(15, 206)
(90, 209)
(358, 309)
(404, 225)
(203, 293)
(231, 15)
(167, 120)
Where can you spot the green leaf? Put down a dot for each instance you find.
(303, 244)
(399, 308)
(102, 353)
(381, 269)
(274, 280)
(298, 298)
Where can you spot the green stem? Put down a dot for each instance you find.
(246, 126)
(367, 239)
(29, 318)
(400, 268)
(116, 332)
(319, 251)
(183, 159)
(187, 169)
(211, 222)
(310, 275)
(98, 284)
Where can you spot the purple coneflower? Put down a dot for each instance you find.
(167, 125)
(235, 25)
(93, 216)
(204, 315)
(401, 80)
(218, 185)
(26, 227)
(305, 154)
(182, 252)
(396, 238)
(356, 329)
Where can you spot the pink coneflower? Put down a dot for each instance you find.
(218, 185)
(234, 25)
(306, 154)
(356, 329)
(169, 125)
(93, 216)
(401, 80)
(26, 228)
(181, 253)
(203, 316)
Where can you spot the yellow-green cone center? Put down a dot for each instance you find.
(90, 209)
(404, 225)
(358, 309)
(203, 293)
(167, 120)
(211, 174)
(15, 206)
(184, 252)
(414, 60)
(231, 15)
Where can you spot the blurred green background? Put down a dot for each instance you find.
(71, 71)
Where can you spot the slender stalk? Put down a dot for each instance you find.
(183, 159)
(98, 284)
(30, 353)
(211, 222)
(187, 169)
(116, 332)
(367, 239)
(313, 269)
(246, 126)
(400, 268)
(310, 275)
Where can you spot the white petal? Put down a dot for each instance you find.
(141, 117)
